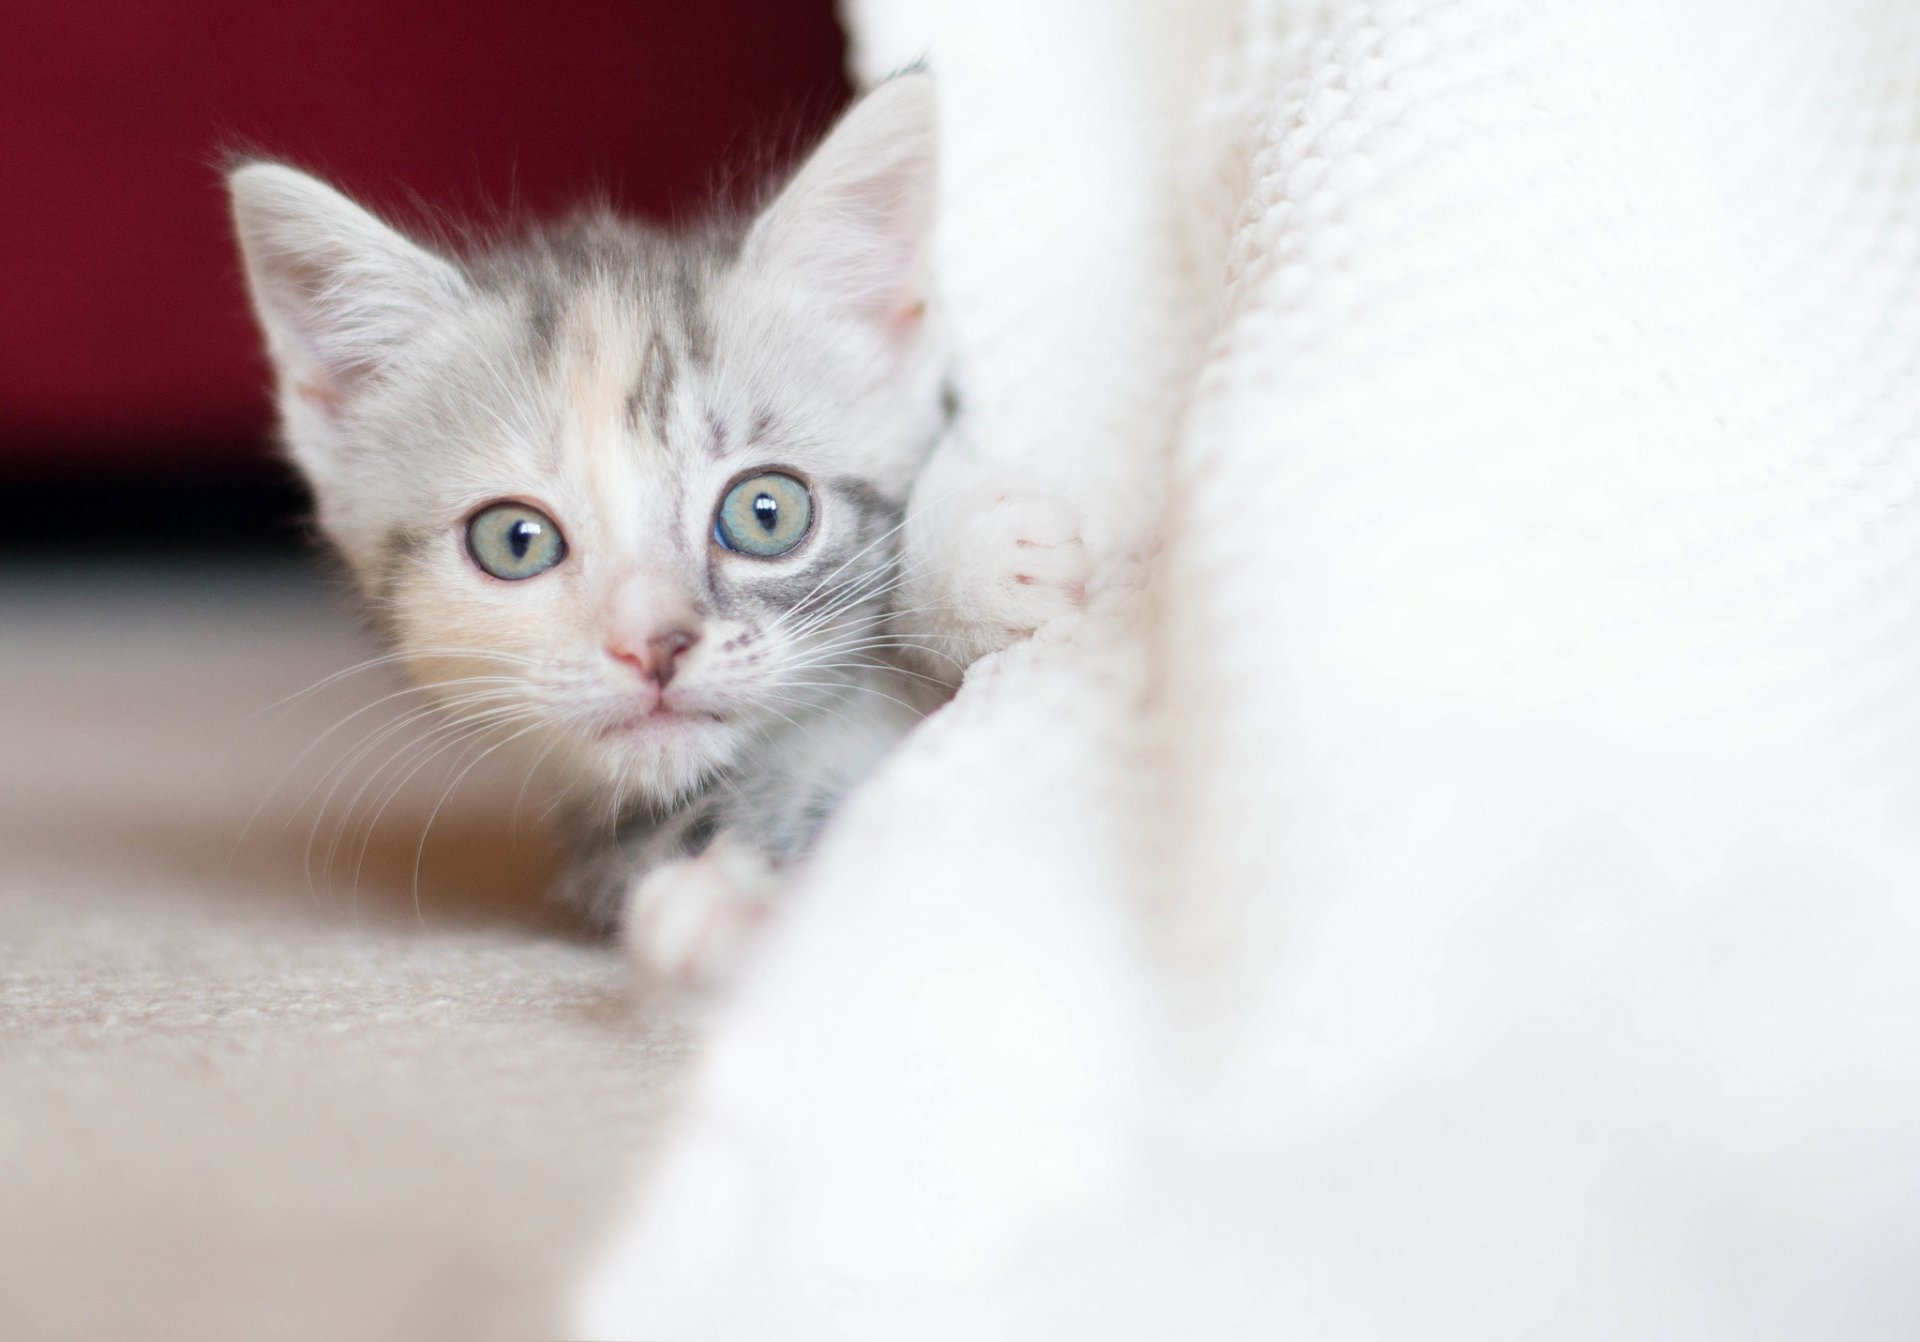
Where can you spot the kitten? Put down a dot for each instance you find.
(636, 501)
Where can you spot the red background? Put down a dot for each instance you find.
(124, 332)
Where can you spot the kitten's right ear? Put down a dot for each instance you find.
(336, 290)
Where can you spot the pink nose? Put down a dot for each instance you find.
(655, 658)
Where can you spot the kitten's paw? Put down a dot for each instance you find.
(1032, 563)
(693, 921)
(1013, 562)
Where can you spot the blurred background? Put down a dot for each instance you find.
(134, 409)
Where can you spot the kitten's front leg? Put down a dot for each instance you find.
(692, 919)
(685, 899)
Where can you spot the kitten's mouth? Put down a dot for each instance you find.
(658, 717)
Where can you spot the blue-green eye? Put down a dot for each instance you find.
(764, 515)
(513, 541)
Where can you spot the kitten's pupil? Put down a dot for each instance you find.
(520, 535)
(766, 511)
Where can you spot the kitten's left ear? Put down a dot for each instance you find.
(855, 224)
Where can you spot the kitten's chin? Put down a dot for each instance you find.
(666, 754)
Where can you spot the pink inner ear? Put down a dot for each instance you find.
(323, 396)
(890, 213)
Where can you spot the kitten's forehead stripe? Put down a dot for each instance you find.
(663, 281)
(690, 298)
(543, 323)
(652, 395)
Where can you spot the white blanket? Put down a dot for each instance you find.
(1475, 893)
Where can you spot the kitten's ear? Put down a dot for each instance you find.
(855, 224)
(336, 290)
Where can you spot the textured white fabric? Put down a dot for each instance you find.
(1477, 894)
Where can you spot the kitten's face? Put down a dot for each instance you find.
(671, 630)
(632, 498)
